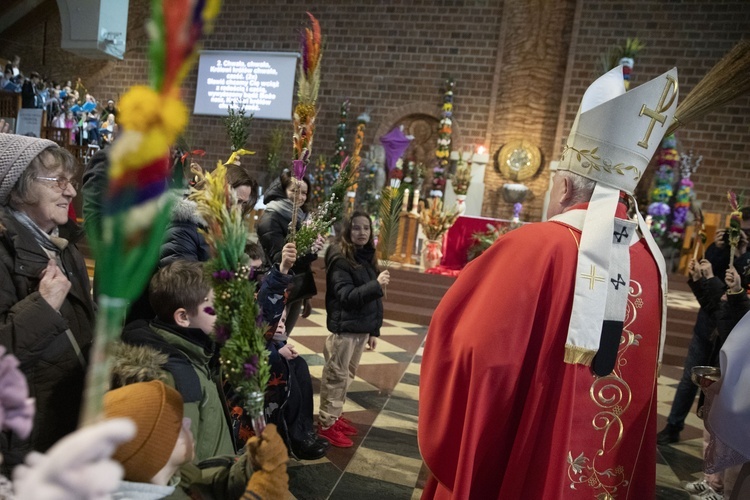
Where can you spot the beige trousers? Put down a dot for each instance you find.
(342, 352)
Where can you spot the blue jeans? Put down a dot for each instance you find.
(698, 354)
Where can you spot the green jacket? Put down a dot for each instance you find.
(193, 369)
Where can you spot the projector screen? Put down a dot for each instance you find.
(261, 81)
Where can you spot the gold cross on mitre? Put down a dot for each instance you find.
(593, 278)
(657, 115)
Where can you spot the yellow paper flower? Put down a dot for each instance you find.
(142, 109)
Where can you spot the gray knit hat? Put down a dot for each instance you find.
(16, 152)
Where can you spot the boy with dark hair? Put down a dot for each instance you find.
(255, 253)
(183, 301)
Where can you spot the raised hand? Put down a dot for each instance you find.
(288, 257)
(732, 279)
(706, 269)
(54, 285)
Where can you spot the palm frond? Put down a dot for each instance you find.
(391, 200)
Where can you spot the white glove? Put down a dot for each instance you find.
(78, 466)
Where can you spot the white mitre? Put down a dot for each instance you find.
(612, 140)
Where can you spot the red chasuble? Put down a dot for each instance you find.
(502, 416)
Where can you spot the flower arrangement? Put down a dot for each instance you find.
(435, 221)
(398, 170)
(683, 198)
(368, 196)
(359, 140)
(483, 241)
(462, 178)
(340, 146)
(237, 124)
(314, 225)
(136, 209)
(244, 357)
(517, 207)
(444, 141)
(660, 196)
(320, 220)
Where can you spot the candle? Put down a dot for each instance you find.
(405, 206)
(481, 157)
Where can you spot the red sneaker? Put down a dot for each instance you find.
(335, 436)
(346, 427)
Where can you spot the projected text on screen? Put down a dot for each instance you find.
(261, 82)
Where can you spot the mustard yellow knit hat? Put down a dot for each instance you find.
(157, 411)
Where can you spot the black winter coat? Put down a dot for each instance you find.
(37, 334)
(353, 296)
(183, 241)
(726, 314)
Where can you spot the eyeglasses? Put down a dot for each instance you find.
(62, 182)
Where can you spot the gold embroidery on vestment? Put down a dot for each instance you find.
(613, 396)
(592, 277)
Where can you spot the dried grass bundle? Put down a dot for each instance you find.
(727, 80)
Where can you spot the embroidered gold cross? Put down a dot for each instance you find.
(656, 115)
(593, 278)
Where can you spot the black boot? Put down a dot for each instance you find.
(322, 441)
(308, 449)
(670, 434)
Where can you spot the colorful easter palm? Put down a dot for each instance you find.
(244, 357)
(136, 205)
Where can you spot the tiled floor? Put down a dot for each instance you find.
(384, 462)
(382, 403)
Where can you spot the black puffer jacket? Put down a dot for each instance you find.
(353, 295)
(37, 335)
(183, 241)
(273, 228)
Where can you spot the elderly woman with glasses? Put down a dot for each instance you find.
(46, 310)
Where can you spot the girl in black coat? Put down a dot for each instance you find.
(354, 306)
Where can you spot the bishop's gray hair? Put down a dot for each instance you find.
(583, 187)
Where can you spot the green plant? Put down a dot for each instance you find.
(237, 125)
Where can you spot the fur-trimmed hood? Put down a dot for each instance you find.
(137, 364)
(185, 210)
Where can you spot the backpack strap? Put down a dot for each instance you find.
(186, 380)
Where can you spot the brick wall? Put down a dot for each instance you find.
(689, 34)
(510, 61)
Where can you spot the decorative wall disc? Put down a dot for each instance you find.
(518, 160)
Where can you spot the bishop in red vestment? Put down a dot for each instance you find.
(539, 371)
(501, 416)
